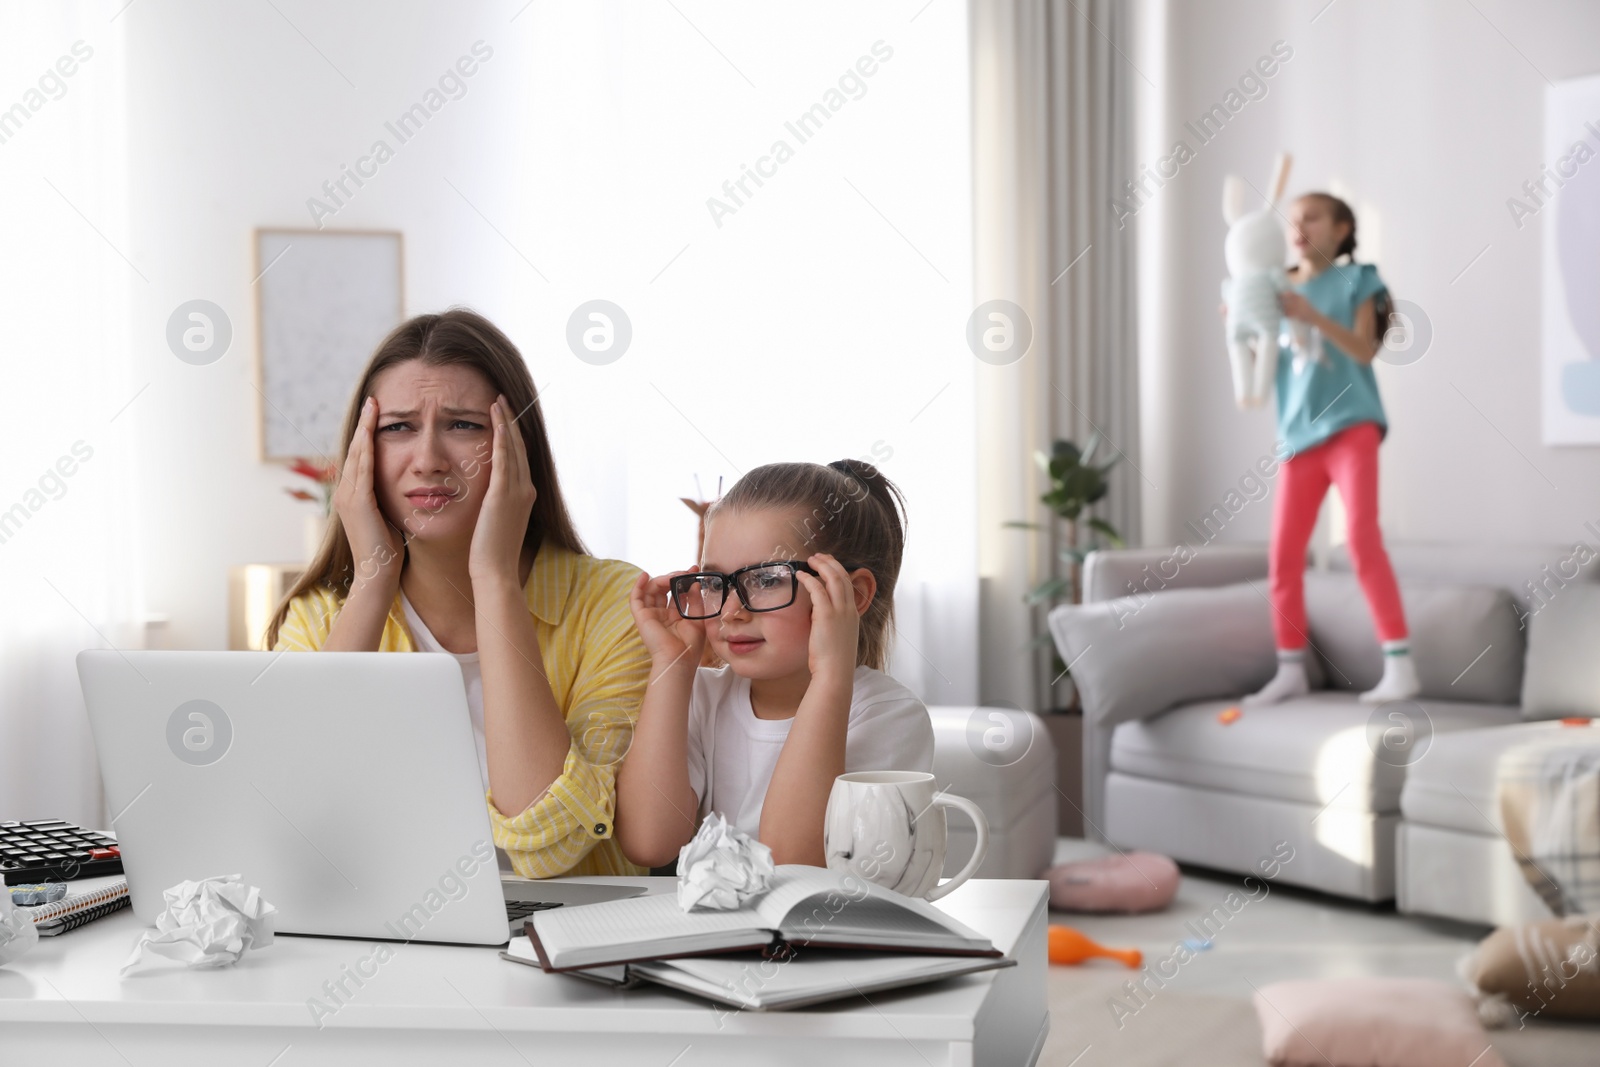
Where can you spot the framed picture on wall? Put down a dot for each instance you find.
(1570, 312)
(325, 298)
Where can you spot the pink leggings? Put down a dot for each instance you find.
(1348, 459)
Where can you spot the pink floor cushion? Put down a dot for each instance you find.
(1130, 882)
(1371, 1022)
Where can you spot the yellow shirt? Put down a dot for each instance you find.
(598, 669)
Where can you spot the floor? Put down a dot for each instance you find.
(1205, 1014)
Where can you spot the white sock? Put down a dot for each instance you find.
(1288, 683)
(1399, 681)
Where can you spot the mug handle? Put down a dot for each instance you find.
(979, 823)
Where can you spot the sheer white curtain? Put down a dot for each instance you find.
(823, 318)
(67, 559)
(1053, 127)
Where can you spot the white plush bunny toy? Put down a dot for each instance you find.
(1255, 251)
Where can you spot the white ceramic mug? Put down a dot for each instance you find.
(889, 828)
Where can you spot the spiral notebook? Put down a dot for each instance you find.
(84, 906)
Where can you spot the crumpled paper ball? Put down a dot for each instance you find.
(17, 934)
(722, 867)
(208, 923)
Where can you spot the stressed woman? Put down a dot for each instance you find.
(449, 534)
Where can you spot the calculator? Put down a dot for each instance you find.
(51, 850)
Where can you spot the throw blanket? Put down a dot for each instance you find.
(1550, 805)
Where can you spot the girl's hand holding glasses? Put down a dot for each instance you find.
(835, 623)
(668, 636)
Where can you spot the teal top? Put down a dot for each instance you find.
(1323, 398)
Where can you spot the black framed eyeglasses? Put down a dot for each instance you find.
(760, 587)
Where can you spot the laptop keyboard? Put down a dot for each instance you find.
(521, 909)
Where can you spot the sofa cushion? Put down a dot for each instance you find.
(1454, 788)
(1137, 656)
(1467, 640)
(1563, 672)
(1323, 748)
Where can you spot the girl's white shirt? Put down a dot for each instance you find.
(732, 753)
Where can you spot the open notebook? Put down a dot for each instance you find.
(809, 906)
(747, 980)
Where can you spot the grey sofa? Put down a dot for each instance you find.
(1002, 760)
(1379, 803)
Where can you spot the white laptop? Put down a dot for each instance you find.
(345, 785)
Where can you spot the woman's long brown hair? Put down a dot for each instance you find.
(457, 337)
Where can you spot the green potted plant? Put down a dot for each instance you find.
(1077, 483)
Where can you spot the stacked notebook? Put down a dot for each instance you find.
(808, 939)
(83, 906)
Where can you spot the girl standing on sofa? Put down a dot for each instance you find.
(803, 698)
(1331, 418)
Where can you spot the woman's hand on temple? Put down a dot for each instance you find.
(668, 636)
(496, 551)
(377, 547)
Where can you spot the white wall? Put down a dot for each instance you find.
(588, 146)
(1430, 114)
(234, 122)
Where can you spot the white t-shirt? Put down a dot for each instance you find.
(889, 730)
(470, 671)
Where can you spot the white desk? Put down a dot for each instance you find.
(435, 1005)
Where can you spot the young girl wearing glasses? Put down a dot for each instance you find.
(804, 632)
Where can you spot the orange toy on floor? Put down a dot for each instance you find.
(1067, 945)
